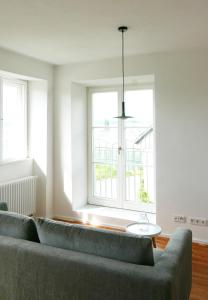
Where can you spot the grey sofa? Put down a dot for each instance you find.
(3, 206)
(30, 270)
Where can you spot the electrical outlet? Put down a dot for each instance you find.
(179, 219)
(203, 222)
(199, 221)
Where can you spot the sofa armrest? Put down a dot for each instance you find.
(176, 260)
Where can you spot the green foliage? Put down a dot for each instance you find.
(142, 195)
(109, 171)
(133, 172)
(105, 172)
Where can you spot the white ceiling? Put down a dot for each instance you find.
(67, 31)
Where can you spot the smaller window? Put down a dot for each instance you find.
(13, 113)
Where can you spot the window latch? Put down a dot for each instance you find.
(119, 150)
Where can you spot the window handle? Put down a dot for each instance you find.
(119, 150)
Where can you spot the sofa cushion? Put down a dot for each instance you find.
(3, 206)
(114, 245)
(18, 226)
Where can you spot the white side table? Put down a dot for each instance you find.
(145, 229)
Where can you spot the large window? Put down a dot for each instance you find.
(13, 118)
(121, 153)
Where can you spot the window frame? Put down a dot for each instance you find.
(91, 199)
(120, 202)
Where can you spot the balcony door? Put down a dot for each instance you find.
(121, 152)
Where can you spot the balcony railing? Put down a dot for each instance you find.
(138, 165)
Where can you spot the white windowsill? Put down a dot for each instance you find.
(116, 214)
(15, 161)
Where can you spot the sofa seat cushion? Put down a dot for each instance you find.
(18, 226)
(109, 244)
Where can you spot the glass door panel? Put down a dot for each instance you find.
(105, 147)
(138, 150)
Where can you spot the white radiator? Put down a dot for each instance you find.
(20, 195)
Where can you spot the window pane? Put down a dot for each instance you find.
(104, 109)
(105, 157)
(105, 144)
(139, 147)
(14, 120)
(105, 180)
(139, 105)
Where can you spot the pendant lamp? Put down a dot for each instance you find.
(123, 116)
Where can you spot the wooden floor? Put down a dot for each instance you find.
(199, 267)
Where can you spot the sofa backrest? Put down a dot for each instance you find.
(3, 206)
(18, 226)
(109, 244)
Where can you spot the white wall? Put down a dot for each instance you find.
(37, 133)
(33, 70)
(16, 170)
(79, 145)
(181, 111)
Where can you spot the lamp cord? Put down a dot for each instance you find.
(123, 63)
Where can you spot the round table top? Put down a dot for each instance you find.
(144, 229)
